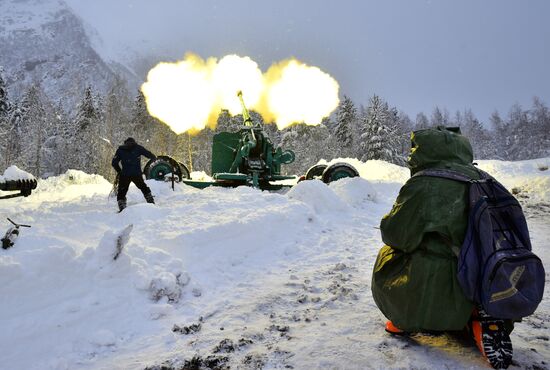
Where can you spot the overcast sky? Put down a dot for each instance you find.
(482, 54)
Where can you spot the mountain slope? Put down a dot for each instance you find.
(44, 41)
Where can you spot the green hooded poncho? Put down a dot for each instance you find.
(414, 280)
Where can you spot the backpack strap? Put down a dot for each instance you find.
(444, 173)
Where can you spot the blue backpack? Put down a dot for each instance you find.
(496, 268)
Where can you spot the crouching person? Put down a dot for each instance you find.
(414, 282)
(129, 155)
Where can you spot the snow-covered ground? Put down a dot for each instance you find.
(239, 277)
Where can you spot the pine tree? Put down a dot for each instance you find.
(346, 117)
(141, 123)
(227, 122)
(501, 135)
(439, 118)
(539, 117)
(5, 111)
(87, 135)
(309, 144)
(112, 113)
(479, 137)
(380, 135)
(35, 122)
(404, 128)
(55, 145)
(519, 128)
(422, 122)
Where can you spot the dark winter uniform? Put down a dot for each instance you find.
(414, 280)
(129, 155)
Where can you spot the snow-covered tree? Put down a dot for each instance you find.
(421, 121)
(480, 138)
(227, 122)
(379, 139)
(5, 111)
(345, 120)
(518, 134)
(35, 122)
(140, 122)
(84, 148)
(500, 131)
(309, 143)
(439, 117)
(56, 144)
(404, 128)
(539, 117)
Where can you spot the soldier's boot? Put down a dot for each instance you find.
(394, 330)
(492, 339)
(121, 204)
(149, 198)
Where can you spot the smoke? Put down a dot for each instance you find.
(188, 95)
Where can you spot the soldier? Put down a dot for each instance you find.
(415, 281)
(129, 154)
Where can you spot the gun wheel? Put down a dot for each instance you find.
(164, 165)
(315, 171)
(338, 171)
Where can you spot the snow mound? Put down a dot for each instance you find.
(291, 268)
(72, 184)
(375, 170)
(200, 176)
(317, 195)
(71, 177)
(355, 191)
(15, 173)
(528, 179)
(106, 300)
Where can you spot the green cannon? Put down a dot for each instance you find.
(246, 157)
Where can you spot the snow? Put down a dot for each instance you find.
(14, 173)
(27, 15)
(256, 279)
(530, 178)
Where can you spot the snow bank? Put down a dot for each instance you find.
(375, 170)
(528, 179)
(318, 196)
(355, 192)
(68, 179)
(200, 176)
(86, 303)
(248, 262)
(71, 185)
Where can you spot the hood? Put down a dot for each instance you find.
(440, 147)
(128, 146)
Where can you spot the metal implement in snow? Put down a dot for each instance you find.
(11, 235)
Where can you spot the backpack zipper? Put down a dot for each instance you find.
(506, 259)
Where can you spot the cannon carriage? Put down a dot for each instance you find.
(246, 157)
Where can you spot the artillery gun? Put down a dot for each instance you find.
(24, 186)
(246, 157)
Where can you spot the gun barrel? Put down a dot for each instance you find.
(246, 115)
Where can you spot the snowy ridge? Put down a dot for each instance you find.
(239, 277)
(44, 41)
(23, 16)
(527, 178)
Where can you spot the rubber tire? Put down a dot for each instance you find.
(338, 171)
(315, 171)
(184, 171)
(167, 161)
